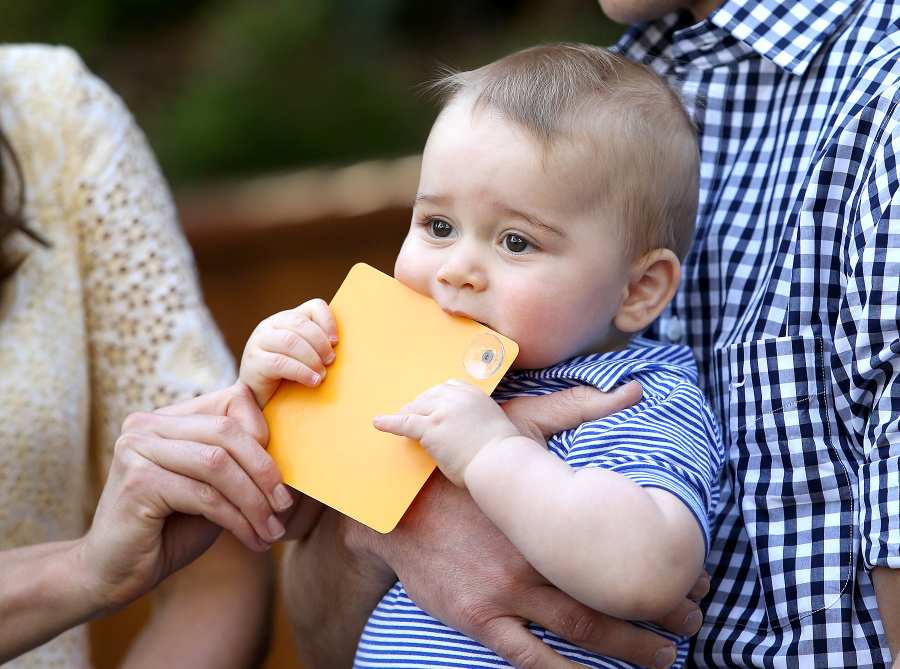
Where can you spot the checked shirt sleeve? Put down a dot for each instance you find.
(867, 345)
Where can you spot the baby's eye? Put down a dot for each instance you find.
(515, 243)
(440, 228)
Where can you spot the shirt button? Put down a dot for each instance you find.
(674, 330)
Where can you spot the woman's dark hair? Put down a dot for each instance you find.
(12, 221)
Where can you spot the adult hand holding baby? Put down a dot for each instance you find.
(486, 589)
(497, 592)
(453, 413)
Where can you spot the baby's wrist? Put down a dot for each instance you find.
(262, 390)
(484, 461)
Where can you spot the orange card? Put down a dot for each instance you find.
(393, 344)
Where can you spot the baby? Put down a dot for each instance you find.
(558, 191)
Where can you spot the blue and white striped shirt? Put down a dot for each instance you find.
(790, 299)
(668, 440)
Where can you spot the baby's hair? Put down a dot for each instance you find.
(641, 147)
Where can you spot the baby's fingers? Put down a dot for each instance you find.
(290, 331)
(277, 366)
(320, 313)
(288, 343)
(410, 425)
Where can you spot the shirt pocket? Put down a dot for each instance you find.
(793, 488)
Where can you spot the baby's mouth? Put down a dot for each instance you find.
(463, 314)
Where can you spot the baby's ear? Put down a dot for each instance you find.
(653, 280)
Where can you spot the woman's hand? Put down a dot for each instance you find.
(179, 475)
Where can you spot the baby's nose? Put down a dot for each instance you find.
(461, 272)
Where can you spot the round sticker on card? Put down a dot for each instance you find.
(484, 356)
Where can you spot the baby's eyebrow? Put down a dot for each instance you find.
(439, 200)
(530, 219)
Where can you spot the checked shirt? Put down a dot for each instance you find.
(790, 303)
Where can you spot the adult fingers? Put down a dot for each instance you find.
(553, 609)
(701, 588)
(686, 618)
(185, 495)
(540, 417)
(214, 403)
(214, 467)
(511, 640)
(226, 432)
(236, 401)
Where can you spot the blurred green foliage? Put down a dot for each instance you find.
(231, 87)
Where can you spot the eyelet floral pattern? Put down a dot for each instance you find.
(108, 321)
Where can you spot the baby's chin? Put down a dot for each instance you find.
(541, 357)
(538, 359)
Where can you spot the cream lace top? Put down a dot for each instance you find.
(108, 321)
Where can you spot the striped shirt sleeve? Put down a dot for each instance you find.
(669, 441)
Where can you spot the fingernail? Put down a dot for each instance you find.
(692, 622)
(283, 499)
(276, 529)
(315, 379)
(330, 358)
(664, 658)
(333, 338)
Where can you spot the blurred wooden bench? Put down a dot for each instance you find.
(267, 244)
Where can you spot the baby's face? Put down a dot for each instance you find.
(502, 233)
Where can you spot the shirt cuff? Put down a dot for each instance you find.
(879, 512)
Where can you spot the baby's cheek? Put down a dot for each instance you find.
(542, 331)
(412, 272)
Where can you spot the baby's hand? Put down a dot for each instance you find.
(453, 421)
(294, 345)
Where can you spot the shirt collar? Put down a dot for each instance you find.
(787, 32)
(607, 370)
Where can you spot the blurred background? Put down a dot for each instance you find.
(290, 134)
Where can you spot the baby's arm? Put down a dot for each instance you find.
(619, 548)
(294, 345)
